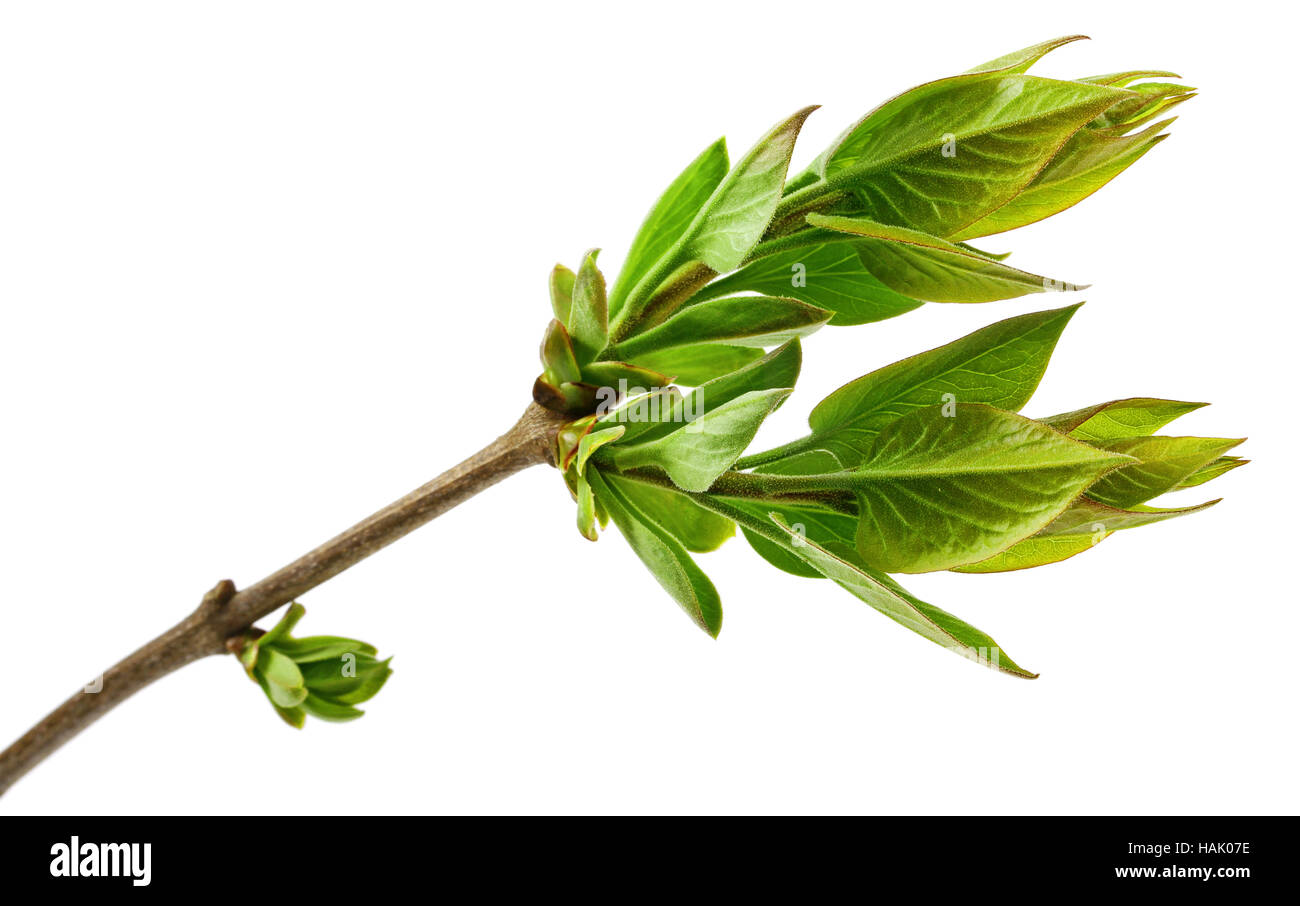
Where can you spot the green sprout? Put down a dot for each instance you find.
(322, 675)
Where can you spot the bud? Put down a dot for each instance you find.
(325, 676)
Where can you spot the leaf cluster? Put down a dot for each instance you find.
(921, 465)
(325, 676)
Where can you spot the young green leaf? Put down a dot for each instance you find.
(1088, 161)
(611, 374)
(881, 593)
(699, 530)
(1016, 62)
(282, 629)
(665, 557)
(779, 369)
(588, 321)
(586, 510)
(735, 216)
(940, 491)
(669, 218)
(1210, 471)
(831, 275)
(934, 269)
(696, 453)
(1021, 60)
(559, 364)
(322, 647)
(284, 682)
(561, 288)
(694, 365)
(1163, 463)
(1138, 416)
(593, 441)
(731, 221)
(1080, 528)
(945, 154)
(1000, 365)
(735, 320)
(826, 527)
(325, 709)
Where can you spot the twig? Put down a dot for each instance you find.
(224, 612)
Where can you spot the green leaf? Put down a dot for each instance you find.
(1087, 162)
(1122, 79)
(284, 682)
(559, 365)
(1021, 60)
(1210, 471)
(694, 365)
(331, 680)
(940, 491)
(561, 287)
(888, 597)
(665, 557)
(327, 710)
(826, 527)
(1080, 528)
(729, 224)
(776, 370)
(593, 441)
(1016, 62)
(286, 624)
(586, 510)
(294, 717)
(831, 275)
(1149, 100)
(588, 321)
(669, 218)
(1000, 365)
(1133, 417)
(943, 155)
(569, 396)
(610, 374)
(736, 214)
(736, 321)
(934, 269)
(1163, 464)
(699, 530)
(322, 647)
(696, 453)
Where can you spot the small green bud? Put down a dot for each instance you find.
(324, 676)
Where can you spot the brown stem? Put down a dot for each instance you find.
(225, 613)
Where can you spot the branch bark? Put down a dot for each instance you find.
(225, 612)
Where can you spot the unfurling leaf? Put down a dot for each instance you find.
(730, 222)
(1134, 417)
(831, 275)
(1163, 463)
(1080, 528)
(877, 590)
(665, 557)
(589, 319)
(927, 267)
(735, 321)
(943, 155)
(694, 365)
(696, 453)
(669, 218)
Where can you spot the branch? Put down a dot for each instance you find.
(225, 613)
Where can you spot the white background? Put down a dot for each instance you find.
(267, 266)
